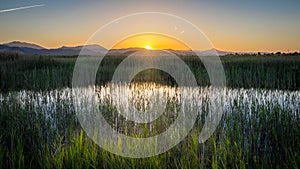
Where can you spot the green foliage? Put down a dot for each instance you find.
(52, 72)
(264, 136)
(254, 135)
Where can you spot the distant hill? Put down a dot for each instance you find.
(33, 49)
(23, 45)
(71, 51)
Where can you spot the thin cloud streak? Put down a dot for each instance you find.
(21, 8)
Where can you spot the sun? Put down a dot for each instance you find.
(148, 47)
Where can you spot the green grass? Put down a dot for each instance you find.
(247, 71)
(252, 134)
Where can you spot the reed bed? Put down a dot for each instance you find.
(259, 128)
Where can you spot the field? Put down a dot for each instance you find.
(245, 71)
(260, 126)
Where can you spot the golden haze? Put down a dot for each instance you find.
(156, 41)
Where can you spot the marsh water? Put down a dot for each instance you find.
(136, 104)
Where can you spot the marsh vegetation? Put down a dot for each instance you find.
(260, 126)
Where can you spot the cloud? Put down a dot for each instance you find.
(21, 8)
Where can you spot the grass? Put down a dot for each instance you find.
(248, 71)
(259, 129)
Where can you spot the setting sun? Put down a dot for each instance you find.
(148, 47)
(151, 41)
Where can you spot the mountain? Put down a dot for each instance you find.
(124, 51)
(20, 50)
(33, 49)
(71, 51)
(94, 50)
(23, 45)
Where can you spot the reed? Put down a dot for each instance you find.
(259, 129)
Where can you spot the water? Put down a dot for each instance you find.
(148, 102)
(255, 118)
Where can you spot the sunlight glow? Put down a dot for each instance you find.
(151, 41)
(148, 47)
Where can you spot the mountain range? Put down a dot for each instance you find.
(34, 49)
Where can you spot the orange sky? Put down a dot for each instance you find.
(154, 40)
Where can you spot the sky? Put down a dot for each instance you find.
(153, 40)
(231, 25)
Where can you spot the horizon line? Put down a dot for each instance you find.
(217, 49)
